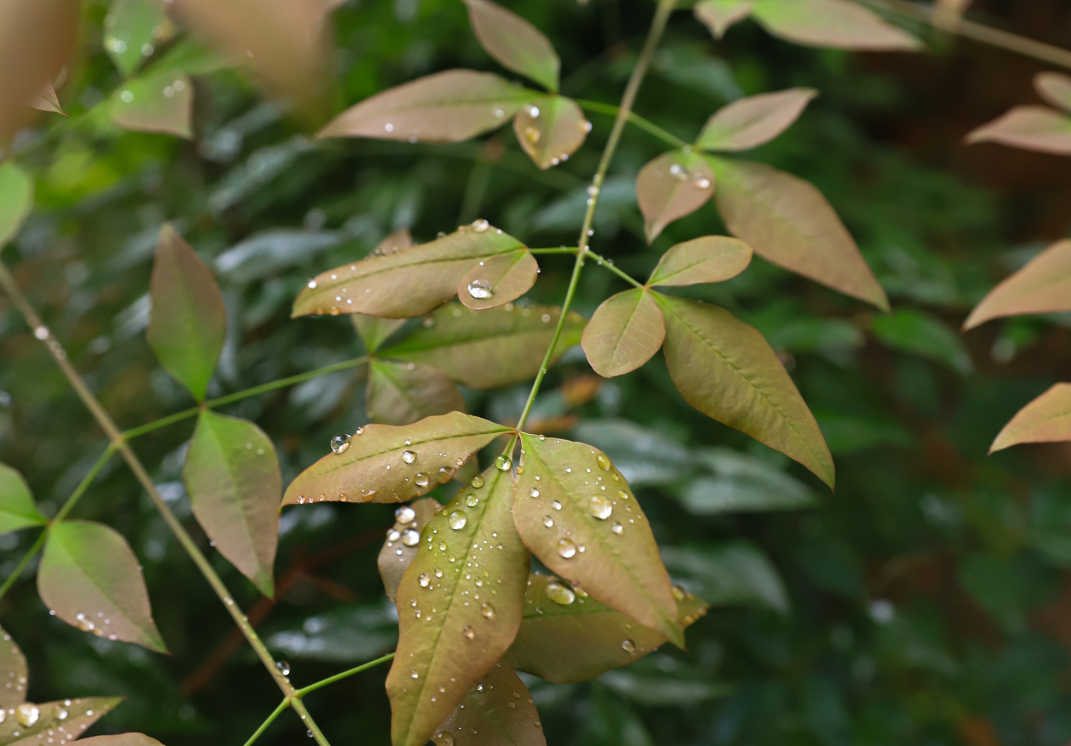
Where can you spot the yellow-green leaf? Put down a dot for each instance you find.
(671, 186)
(515, 43)
(551, 129)
(719, 15)
(499, 280)
(33, 724)
(1029, 128)
(1047, 419)
(133, 29)
(625, 332)
(403, 542)
(1042, 286)
(403, 393)
(707, 259)
(750, 122)
(156, 103)
(373, 330)
(1054, 88)
(13, 673)
(17, 508)
(498, 711)
(16, 200)
(841, 24)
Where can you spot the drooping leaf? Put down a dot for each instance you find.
(727, 370)
(625, 332)
(1054, 88)
(388, 464)
(1042, 286)
(551, 129)
(91, 579)
(708, 259)
(126, 739)
(460, 605)
(498, 711)
(160, 103)
(13, 673)
(750, 122)
(17, 508)
(671, 186)
(404, 393)
(577, 514)
(16, 200)
(189, 321)
(742, 484)
(924, 335)
(403, 542)
(488, 349)
(1047, 419)
(727, 575)
(233, 479)
(1029, 128)
(375, 331)
(567, 636)
(408, 283)
(47, 100)
(788, 222)
(449, 106)
(831, 23)
(133, 28)
(499, 280)
(719, 15)
(515, 43)
(62, 721)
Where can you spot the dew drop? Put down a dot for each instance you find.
(312, 284)
(480, 289)
(566, 548)
(534, 492)
(444, 475)
(469, 633)
(555, 504)
(340, 443)
(503, 463)
(679, 593)
(27, 714)
(458, 519)
(617, 528)
(283, 667)
(405, 514)
(560, 594)
(421, 480)
(488, 611)
(532, 134)
(472, 501)
(628, 646)
(477, 482)
(424, 580)
(602, 461)
(393, 535)
(408, 457)
(622, 494)
(410, 537)
(548, 521)
(600, 507)
(480, 226)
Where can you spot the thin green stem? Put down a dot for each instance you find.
(636, 119)
(562, 250)
(314, 730)
(608, 265)
(37, 545)
(285, 704)
(344, 675)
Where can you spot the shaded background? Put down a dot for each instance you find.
(926, 602)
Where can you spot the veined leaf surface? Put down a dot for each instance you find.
(17, 508)
(1055, 88)
(16, 200)
(707, 259)
(671, 186)
(625, 332)
(404, 393)
(403, 542)
(831, 23)
(156, 103)
(373, 330)
(551, 129)
(1029, 128)
(1042, 286)
(62, 721)
(719, 15)
(754, 120)
(515, 43)
(496, 712)
(1047, 419)
(499, 280)
(13, 672)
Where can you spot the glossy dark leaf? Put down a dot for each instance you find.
(514, 42)
(498, 711)
(842, 24)
(1042, 286)
(157, 103)
(671, 186)
(1029, 128)
(499, 280)
(625, 332)
(750, 122)
(17, 508)
(1055, 88)
(13, 673)
(132, 30)
(33, 724)
(719, 15)
(708, 259)
(404, 393)
(1047, 419)
(16, 200)
(403, 542)
(551, 129)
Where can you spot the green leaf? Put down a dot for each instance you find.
(708, 259)
(160, 102)
(233, 479)
(728, 575)
(91, 579)
(409, 282)
(515, 43)
(625, 332)
(1054, 88)
(1047, 419)
(47, 100)
(498, 711)
(488, 349)
(719, 15)
(499, 280)
(788, 222)
(133, 28)
(16, 200)
(403, 542)
(17, 508)
(841, 24)
(551, 129)
(1042, 286)
(578, 515)
(63, 721)
(1030, 128)
(126, 739)
(460, 605)
(13, 673)
(450, 106)
(924, 335)
(189, 321)
(374, 331)
(755, 120)
(403, 393)
(671, 186)
(727, 370)
(742, 484)
(388, 464)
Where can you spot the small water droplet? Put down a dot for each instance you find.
(410, 537)
(617, 528)
(477, 482)
(408, 457)
(421, 480)
(622, 494)
(548, 521)
(480, 226)
(405, 514)
(628, 646)
(472, 501)
(469, 633)
(283, 667)
(393, 535)
(458, 519)
(532, 134)
(488, 611)
(555, 504)
(340, 443)
(602, 461)
(424, 580)
(503, 463)
(534, 492)
(566, 548)
(444, 475)
(679, 593)
(560, 594)
(600, 507)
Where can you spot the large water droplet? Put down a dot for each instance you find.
(472, 501)
(488, 611)
(408, 457)
(503, 463)
(424, 580)
(602, 461)
(27, 714)
(600, 507)
(628, 646)
(283, 667)
(405, 514)
(410, 537)
(421, 480)
(477, 482)
(480, 226)
(458, 519)
(560, 594)
(444, 739)
(444, 475)
(340, 443)
(480, 289)
(566, 548)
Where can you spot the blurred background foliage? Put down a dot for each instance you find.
(926, 602)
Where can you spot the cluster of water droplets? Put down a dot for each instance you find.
(97, 624)
(699, 180)
(47, 722)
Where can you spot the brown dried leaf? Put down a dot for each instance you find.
(719, 15)
(707, 259)
(625, 332)
(671, 186)
(551, 129)
(1042, 286)
(498, 711)
(1047, 419)
(842, 24)
(1054, 88)
(1029, 128)
(499, 280)
(515, 43)
(404, 393)
(62, 721)
(403, 542)
(13, 673)
(754, 120)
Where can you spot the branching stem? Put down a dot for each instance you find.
(636, 119)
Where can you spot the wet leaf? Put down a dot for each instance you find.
(488, 349)
(719, 15)
(625, 332)
(449, 106)
(90, 577)
(375, 331)
(386, 464)
(47, 100)
(403, 393)
(597, 535)
(1029, 128)
(671, 186)
(498, 711)
(160, 103)
(133, 29)
(17, 508)
(13, 673)
(400, 549)
(515, 43)
(499, 280)
(233, 479)
(126, 739)
(752, 121)
(727, 370)
(742, 484)
(551, 129)
(1047, 419)
(16, 201)
(708, 259)
(1054, 88)
(459, 606)
(924, 335)
(62, 721)
(788, 222)
(841, 24)
(189, 321)
(408, 283)
(1042, 286)
(728, 575)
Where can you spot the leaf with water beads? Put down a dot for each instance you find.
(1042, 286)
(161, 102)
(404, 393)
(577, 514)
(499, 280)
(671, 186)
(752, 121)
(403, 542)
(16, 200)
(17, 508)
(13, 673)
(63, 721)
(133, 29)
(707, 259)
(388, 464)
(719, 15)
(840, 24)
(126, 739)
(551, 129)
(624, 333)
(498, 711)
(459, 606)
(514, 42)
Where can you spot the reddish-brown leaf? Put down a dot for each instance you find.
(514, 42)
(1047, 419)
(403, 542)
(707, 259)
(47, 100)
(671, 186)
(625, 332)
(1042, 286)
(719, 15)
(126, 739)
(755, 120)
(842, 24)
(404, 393)
(498, 280)
(551, 129)
(13, 672)
(1054, 88)
(1029, 128)
(63, 721)
(498, 711)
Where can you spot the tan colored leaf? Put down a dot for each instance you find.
(399, 240)
(160, 103)
(496, 712)
(1054, 88)
(408, 283)
(515, 43)
(577, 514)
(126, 739)
(754, 120)
(47, 100)
(62, 721)
(949, 12)
(488, 349)
(388, 464)
(404, 393)
(16, 200)
(708, 259)
(1042, 286)
(1047, 419)
(788, 222)
(403, 542)
(449, 106)
(17, 508)
(551, 129)
(671, 186)
(719, 15)
(459, 606)
(727, 370)
(1029, 128)
(499, 280)
(13, 673)
(373, 330)
(625, 332)
(842, 24)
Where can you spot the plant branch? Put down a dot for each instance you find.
(636, 119)
(609, 265)
(344, 675)
(271, 719)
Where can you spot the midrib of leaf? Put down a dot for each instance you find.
(680, 271)
(631, 316)
(234, 490)
(493, 720)
(524, 94)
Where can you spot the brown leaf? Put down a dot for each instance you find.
(842, 24)
(13, 673)
(1029, 128)
(625, 332)
(159, 103)
(47, 100)
(671, 186)
(499, 280)
(403, 542)
(551, 129)
(1042, 286)
(404, 393)
(126, 739)
(754, 120)
(708, 259)
(1047, 419)
(514, 42)
(1054, 88)
(62, 721)
(498, 711)
(719, 15)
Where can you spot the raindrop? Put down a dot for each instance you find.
(533, 111)
(560, 594)
(393, 535)
(702, 182)
(622, 494)
(502, 463)
(445, 739)
(405, 514)
(566, 548)
(480, 226)
(389, 127)
(421, 480)
(472, 501)
(600, 507)
(532, 134)
(679, 593)
(477, 482)
(408, 457)
(488, 611)
(469, 633)
(602, 461)
(548, 521)
(27, 714)
(555, 504)
(340, 443)
(480, 289)
(424, 580)
(438, 572)
(617, 528)
(628, 646)
(458, 519)
(312, 284)
(410, 537)
(283, 667)
(534, 492)
(444, 475)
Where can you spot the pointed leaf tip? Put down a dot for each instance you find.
(17, 508)
(719, 15)
(1042, 286)
(515, 43)
(1047, 419)
(752, 121)
(1028, 128)
(1054, 88)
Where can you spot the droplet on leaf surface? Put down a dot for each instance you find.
(600, 507)
(340, 443)
(458, 519)
(560, 594)
(566, 548)
(408, 457)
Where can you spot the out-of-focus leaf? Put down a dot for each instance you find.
(408, 283)
(641, 455)
(1054, 88)
(515, 43)
(788, 222)
(403, 393)
(577, 514)
(403, 542)
(1029, 128)
(625, 332)
(649, 683)
(727, 370)
(13, 673)
(266, 253)
(671, 186)
(498, 711)
(719, 15)
(17, 509)
(488, 349)
(348, 634)
(460, 606)
(708, 259)
(375, 331)
(157, 103)
(921, 334)
(755, 120)
(499, 280)
(449, 106)
(728, 575)
(742, 484)
(233, 479)
(849, 434)
(91, 579)
(949, 12)
(132, 29)
(1042, 286)
(551, 129)
(1047, 419)
(831, 23)
(192, 57)
(62, 721)
(189, 321)
(47, 100)
(388, 464)
(16, 200)
(126, 739)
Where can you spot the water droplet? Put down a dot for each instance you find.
(679, 593)
(424, 580)
(127, 96)
(480, 289)
(548, 521)
(469, 633)
(340, 443)
(702, 182)
(560, 594)
(622, 494)
(438, 572)
(458, 519)
(555, 504)
(617, 528)
(600, 507)
(503, 463)
(477, 482)
(472, 501)
(533, 111)
(532, 134)
(628, 646)
(566, 548)
(27, 714)
(499, 113)
(488, 611)
(393, 535)
(444, 739)
(585, 126)
(421, 480)
(405, 514)
(480, 226)
(410, 537)
(534, 492)
(408, 457)
(602, 461)
(312, 284)
(283, 667)
(389, 127)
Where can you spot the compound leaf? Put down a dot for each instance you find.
(707, 259)
(1042, 286)
(1030, 128)
(551, 129)
(755, 120)
(17, 508)
(16, 200)
(498, 711)
(158, 103)
(1047, 419)
(403, 542)
(404, 393)
(133, 28)
(32, 725)
(671, 186)
(13, 672)
(625, 332)
(1054, 88)
(719, 15)
(515, 43)
(831, 23)
(499, 280)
